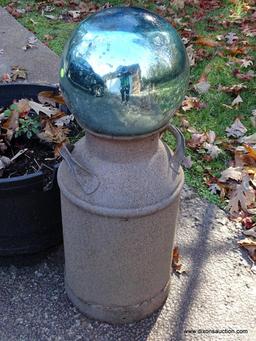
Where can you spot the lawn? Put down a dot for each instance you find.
(216, 60)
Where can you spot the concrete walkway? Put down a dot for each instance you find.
(217, 292)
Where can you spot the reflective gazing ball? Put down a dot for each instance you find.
(124, 72)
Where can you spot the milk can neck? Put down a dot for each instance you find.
(114, 149)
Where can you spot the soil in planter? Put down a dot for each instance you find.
(39, 151)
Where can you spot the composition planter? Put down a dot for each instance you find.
(30, 219)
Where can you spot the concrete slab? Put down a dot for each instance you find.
(213, 300)
(41, 63)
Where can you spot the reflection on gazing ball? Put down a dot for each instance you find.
(124, 72)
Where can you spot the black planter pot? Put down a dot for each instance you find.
(30, 219)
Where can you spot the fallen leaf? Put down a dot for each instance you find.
(234, 173)
(211, 136)
(237, 129)
(50, 97)
(197, 140)
(251, 151)
(244, 76)
(235, 89)
(179, 4)
(242, 197)
(184, 123)
(51, 17)
(176, 265)
(12, 123)
(231, 38)
(37, 107)
(4, 162)
(253, 118)
(237, 101)
(75, 14)
(48, 37)
(23, 107)
(18, 72)
(251, 139)
(247, 222)
(64, 120)
(250, 232)
(202, 87)
(246, 62)
(191, 103)
(214, 188)
(242, 158)
(32, 40)
(203, 41)
(57, 135)
(187, 162)
(250, 245)
(191, 55)
(6, 78)
(3, 146)
(212, 150)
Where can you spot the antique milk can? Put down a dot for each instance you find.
(123, 74)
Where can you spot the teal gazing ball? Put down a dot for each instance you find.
(124, 72)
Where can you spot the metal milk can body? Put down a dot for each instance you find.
(119, 207)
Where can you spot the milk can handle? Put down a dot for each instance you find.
(177, 158)
(89, 182)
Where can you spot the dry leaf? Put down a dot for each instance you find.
(212, 150)
(12, 123)
(6, 78)
(237, 129)
(245, 63)
(187, 162)
(191, 103)
(48, 37)
(243, 159)
(202, 87)
(235, 89)
(214, 188)
(57, 135)
(4, 162)
(74, 14)
(197, 140)
(251, 139)
(176, 265)
(211, 136)
(237, 100)
(51, 17)
(191, 55)
(244, 76)
(250, 232)
(184, 123)
(251, 151)
(23, 107)
(50, 97)
(64, 120)
(179, 4)
(231, 38)
(242, 197)
(53, 134)
(203, 41)
(37, 107)
(250, 245)
(253, 118)
(234, 173)
(3, 146)
(18, 72)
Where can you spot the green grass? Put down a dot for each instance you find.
(215, 116)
